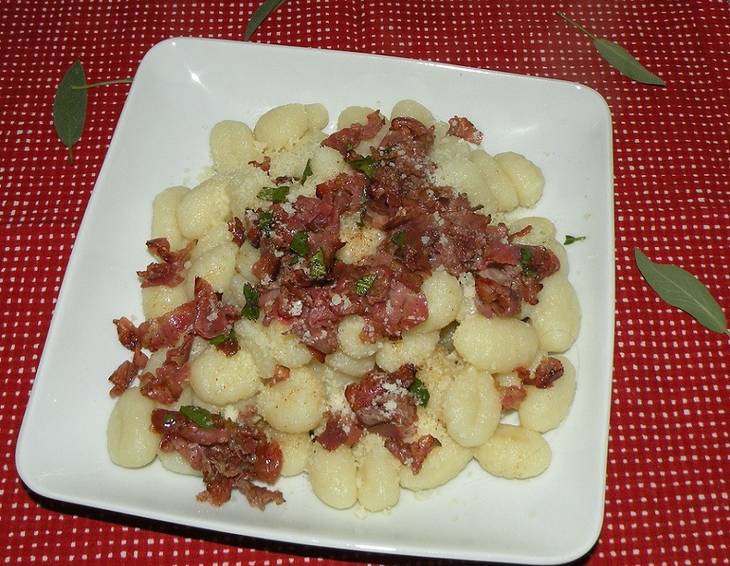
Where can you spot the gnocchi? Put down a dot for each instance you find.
(348, 310)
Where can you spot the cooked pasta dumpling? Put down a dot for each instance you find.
(130, 441)
(514, 452)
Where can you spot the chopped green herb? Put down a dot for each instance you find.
(570, 239)
(365, 165)
(307, 172)
(300, 243)
(419, 391)
(266, 219)
(363, 285)
(251, 309)
(198, 415)
(222, 338)
(526, 262)
(399, 238)
(274, 194)
(169, 419)
(317, 267)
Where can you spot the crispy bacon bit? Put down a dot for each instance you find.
(346, 139)
(520, 233)
(122, 377)
(166, 384)
(381, 397)
(512, 396)
(165, 330)
(339, 430)
(412, 454)
(281, 373)
(264, 165)
(495, 299)
(212, 317)
(127, 333)
(168, 272)
(259, 496)
(548, 371)
(229, 347)
(463, 128)
(229, 455)
(316, 354)
(235, 227)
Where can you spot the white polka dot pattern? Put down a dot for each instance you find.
(667, 499)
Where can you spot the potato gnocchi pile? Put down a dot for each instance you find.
(264, 371)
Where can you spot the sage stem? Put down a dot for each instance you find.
(102, 83)
(576, 25)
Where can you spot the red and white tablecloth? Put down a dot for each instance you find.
(668, 498)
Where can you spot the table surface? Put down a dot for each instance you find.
(667, 495)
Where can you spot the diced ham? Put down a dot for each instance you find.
(237, 230)
(281, 373)
(212, 317)
(166, 330)
(339, 430)
(548, 371)
(264, 165)
(346, 139)
(230, 455)
(127, 333)
(512, 396)
(463, 128)
(381, 397)
(412, 454)
(259, 496)
(169, 270)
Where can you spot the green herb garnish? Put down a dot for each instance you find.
(683, 290)
(317, 267)
(307, 172)
(198, 415)
(570, 239)
(617, 56)
(399, 238)
(223, 338)
(274, 194)
(260, 15)
(365, 165)
(419, 391)
(300, 243)
(266, 220)
(69, 107)
(363, 285)
(526, 262)
(251, 309)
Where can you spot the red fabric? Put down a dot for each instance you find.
(667, 499)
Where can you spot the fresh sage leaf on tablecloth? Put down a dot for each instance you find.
(261, 13)
(69, 107)
(683, 290)
(617, 56)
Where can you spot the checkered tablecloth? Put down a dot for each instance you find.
(667, 499)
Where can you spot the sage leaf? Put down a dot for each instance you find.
(69, 107)
(625, 62)
(261, 13)
(683, 290)
(617, 56)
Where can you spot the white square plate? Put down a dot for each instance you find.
(182, 88)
